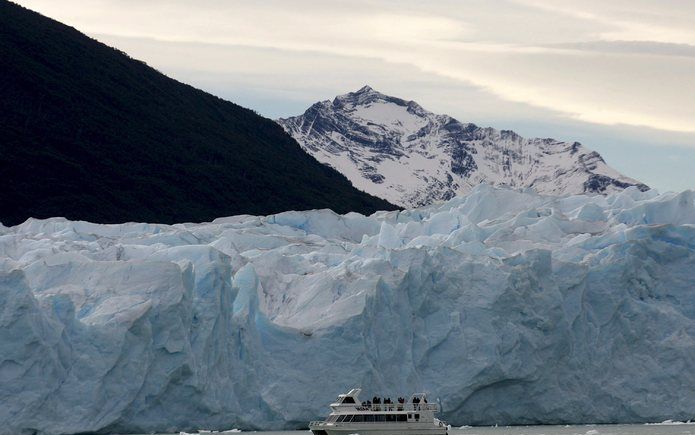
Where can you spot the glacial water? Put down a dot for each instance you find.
(668, 428)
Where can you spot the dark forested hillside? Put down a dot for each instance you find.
(88, 133)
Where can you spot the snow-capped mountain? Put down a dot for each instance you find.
(396, 150)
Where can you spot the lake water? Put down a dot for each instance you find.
(617, 429)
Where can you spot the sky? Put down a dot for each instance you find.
(618, 75)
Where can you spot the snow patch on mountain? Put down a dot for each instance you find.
(398, 151)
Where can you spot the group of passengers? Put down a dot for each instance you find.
(376, 400)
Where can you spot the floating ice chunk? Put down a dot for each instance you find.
(670, 423)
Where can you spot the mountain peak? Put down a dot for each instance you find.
(364, 90)
(368, 96)
(396, 150)
(363, 95)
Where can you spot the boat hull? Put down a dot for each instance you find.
(376, 430)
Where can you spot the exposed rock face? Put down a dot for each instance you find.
(511, 307)
(398, 151)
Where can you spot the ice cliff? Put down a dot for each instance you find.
(509, 306)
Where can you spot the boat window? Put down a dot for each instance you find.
(380, 417)
(348, 418)
(341, 418)
(402, 417)
(417, 417)
(348, 399)
(390, 417)
(369, 418)
(358, 418)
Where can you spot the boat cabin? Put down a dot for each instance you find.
(380, 416)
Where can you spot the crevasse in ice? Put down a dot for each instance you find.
(508, 306)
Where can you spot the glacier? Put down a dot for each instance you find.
(508, 306)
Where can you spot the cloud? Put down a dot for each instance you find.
(594, 64)
(669, 21)
(630, 47)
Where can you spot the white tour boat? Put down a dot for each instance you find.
(402, 417)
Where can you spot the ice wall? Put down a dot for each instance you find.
(511, 307)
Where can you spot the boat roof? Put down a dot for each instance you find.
(353, 393)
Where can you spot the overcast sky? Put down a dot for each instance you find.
(618, 76)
